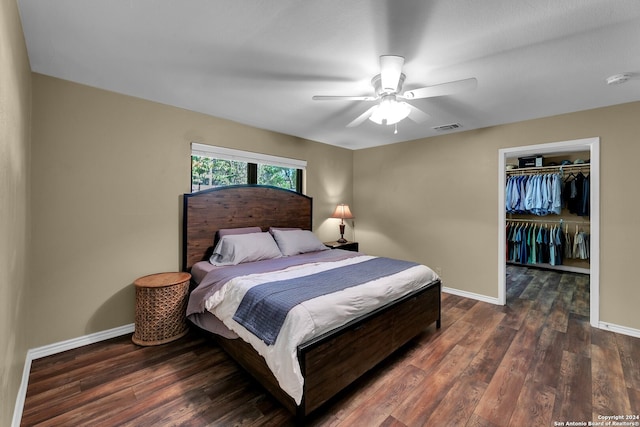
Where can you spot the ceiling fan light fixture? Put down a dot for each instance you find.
(389, 111)
(392, 107)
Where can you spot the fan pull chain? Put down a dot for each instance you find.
(395, 131)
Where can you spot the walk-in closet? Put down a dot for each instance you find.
(547, 235)
(549, 198)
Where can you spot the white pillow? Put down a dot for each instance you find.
(238, 248)
(241, 230)
(293, 242)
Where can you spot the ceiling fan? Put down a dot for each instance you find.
(392, 107)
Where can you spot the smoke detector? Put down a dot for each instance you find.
(617, 79)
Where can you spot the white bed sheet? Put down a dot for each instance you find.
(313, 317)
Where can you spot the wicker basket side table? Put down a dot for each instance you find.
(161, 305)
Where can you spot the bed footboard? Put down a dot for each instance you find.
(331, 362)
(334, 360)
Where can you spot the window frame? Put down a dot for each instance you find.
(252, 160)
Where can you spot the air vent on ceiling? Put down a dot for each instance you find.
(444, 128)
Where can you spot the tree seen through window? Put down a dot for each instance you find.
(207, 172)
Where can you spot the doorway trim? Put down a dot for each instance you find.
(593, 146)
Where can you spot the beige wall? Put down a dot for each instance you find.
(108, 173)
(435, 201)
(15, 106)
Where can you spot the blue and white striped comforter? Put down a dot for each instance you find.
(317, 315)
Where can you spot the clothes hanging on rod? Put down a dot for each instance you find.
(537, 243)
(538, 194)
(580, 245)
(576, 190)
(536, 191)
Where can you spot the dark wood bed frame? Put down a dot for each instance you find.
(329, 362)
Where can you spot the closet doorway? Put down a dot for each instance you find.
(592, 145)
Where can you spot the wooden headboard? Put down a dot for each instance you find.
(236, 206)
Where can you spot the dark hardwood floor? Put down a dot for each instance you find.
(534, 362)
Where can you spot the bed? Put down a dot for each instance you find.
(327, 361)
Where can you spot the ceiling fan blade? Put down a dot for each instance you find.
(442, 89)
(343, 98)
(390, 70)
(417, 115)
(361, 118)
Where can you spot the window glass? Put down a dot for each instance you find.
(278, 176)
(207, 172)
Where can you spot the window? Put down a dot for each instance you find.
(216, 167)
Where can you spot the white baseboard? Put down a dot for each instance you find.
(545, 266)
(619, 329)
(48, 350)
(55, 348)
(22, 393)
(471, 295)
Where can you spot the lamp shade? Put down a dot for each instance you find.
(343, 212)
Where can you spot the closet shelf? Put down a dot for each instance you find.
(549, 169)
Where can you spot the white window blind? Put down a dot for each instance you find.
(245, 156)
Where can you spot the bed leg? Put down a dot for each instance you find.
(438, 323)
(299, 417)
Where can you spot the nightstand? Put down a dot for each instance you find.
(349, 246)
(161, 306)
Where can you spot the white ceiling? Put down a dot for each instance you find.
(259, 62)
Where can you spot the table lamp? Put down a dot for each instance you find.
(342, 211)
